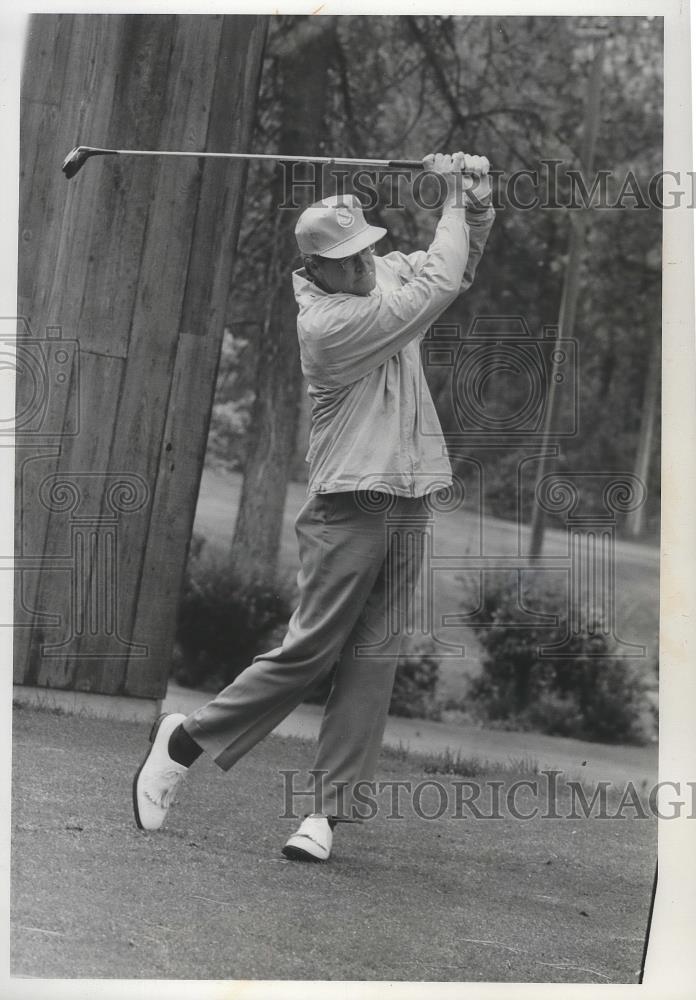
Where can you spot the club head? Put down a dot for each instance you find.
(74, 161)
(76, 158)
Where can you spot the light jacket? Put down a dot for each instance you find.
(374, 425)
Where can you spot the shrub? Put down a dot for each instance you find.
(221, 625)
(415, 684)
(591, 695)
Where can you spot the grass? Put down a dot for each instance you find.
(472, 767)
(465, 765)
(210, 897)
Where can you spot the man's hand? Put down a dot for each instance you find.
(466, 176)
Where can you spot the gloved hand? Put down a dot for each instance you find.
(466, 176)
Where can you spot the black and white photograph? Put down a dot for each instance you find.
(348, 366)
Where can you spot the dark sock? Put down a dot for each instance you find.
(183, 748)
(331, 819)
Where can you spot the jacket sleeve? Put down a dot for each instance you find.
(355, 334)
(480, 223)
(406, 266)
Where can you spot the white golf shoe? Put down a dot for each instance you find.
(158, 776)
(312, 842)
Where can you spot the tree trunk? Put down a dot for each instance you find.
(303, 64)
(123, 275)
(636, 518)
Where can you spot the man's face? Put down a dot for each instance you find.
(355, 274)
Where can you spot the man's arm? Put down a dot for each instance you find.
(480, 222)
(348, 336)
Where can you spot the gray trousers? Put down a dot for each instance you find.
(359, 565)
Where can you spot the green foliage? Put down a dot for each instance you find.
(591, 695)
(415, 684)
(220, 625)
(512, 88)
(231, 413)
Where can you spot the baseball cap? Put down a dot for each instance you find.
(335, 227)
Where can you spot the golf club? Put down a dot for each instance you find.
(78, 156)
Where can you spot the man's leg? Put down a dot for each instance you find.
(356, 712)
(342, 548)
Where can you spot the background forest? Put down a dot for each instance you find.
(515, 90)
(510, 88)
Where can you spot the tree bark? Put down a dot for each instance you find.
(636, 518)
(123, 276)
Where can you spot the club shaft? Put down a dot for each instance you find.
(78, 156)
(277, 157)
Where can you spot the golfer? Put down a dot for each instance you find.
(376, 451)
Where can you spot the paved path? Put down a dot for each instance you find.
(577, 758)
